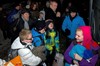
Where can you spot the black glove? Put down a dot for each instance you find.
(67, 31)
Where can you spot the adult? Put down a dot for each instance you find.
(83, 39)
(71, 23)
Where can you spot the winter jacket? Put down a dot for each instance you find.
(25, 53)
(52, 39)
(72, 25)
(38, 38)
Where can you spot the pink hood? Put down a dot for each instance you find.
(88, 41)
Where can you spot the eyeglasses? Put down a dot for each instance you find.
(30, 39)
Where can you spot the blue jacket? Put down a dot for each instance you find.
(72, 25)
(38, 38)
(79, 49)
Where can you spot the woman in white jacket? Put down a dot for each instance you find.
(24, 44)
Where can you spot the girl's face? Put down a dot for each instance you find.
(50, 26)
(79, 36)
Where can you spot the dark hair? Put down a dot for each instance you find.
(25, 11)
(48, 22)
(73, 9)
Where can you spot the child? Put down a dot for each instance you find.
(38, 33)
(41, 15)
(38, 39)
(82, 50)
(51, 41)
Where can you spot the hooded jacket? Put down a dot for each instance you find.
(88, 42)
(25, 53)
(38, 38)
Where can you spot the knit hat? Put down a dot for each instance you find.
(88, 41)
(40, 24)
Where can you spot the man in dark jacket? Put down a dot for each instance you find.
(52, 13)
(23, 21)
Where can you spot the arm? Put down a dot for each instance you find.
(57, 42)
(66, 54)
(28, 57)
(83, 62)
(37, 41)
(64, 24)
(82, 23)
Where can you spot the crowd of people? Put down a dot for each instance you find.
(37, 33)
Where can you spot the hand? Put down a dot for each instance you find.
(76, 62)
(58, 14)
(77, 57)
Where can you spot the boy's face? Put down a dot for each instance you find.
(51, 26)
(79, 36)
(28, 39)
(42, 31)
(26, 16)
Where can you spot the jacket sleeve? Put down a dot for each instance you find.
(82, 23)
(57, 42)
(28, 57)
(37, 41)
(93, 61)
(66, 54)
(64, 24)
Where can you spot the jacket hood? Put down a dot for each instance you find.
(17, 44)
(88, 41)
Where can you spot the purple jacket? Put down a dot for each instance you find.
(81, 63)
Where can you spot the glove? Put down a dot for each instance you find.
(67, 31)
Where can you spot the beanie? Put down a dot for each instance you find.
(40, 24)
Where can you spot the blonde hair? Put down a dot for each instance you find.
(78, 29)
(24, 34)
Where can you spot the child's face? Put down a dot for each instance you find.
(28, 39)
(42, 31)
(41, 15)
(79, 36)
(50, 26)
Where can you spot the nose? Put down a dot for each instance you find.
(76, 36)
